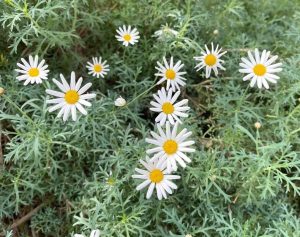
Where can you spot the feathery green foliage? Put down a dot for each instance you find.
(242, 181)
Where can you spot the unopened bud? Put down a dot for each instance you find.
(120, 102)
(1, 91)
(216, 32)
(213, 178)
(257, 125)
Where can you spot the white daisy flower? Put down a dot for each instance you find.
(97, 67)
(71, 98)
(210, 59)
(171, 73)
(170, 146)
(167, 108)
(260, 68)
(156, 177)
(127, 35)
(32, 71)
(120, 102)
(94, 233)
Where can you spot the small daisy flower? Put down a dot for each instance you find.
(71, 99)
(260, 68)
(32, 71)
(120, 102)
(94, 233)
(171, 73)
(98, 68)
(155, 176)
(210, 59)
(127, 35)
(170, 146)
(167, 108)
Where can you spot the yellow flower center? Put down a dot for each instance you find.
(127, 37)
(167, 108)
(170, 147)
(156, 176)
(170, 74)
(71, 97)
(259, 70)
(33, 72)
(210, 60)
(97, 68)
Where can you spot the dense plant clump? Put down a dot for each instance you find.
(58, 178)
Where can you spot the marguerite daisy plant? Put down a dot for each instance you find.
(155, 176)
(170, 146)
(32, 71)
(71, 98)
(171, 73)
(211, 60)
(97, 68)
(167, 108)
(260, 68)
(127, 35)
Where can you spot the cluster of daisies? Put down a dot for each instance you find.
(169, 144)
(72, 95)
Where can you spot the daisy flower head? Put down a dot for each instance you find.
(171, 73)
(211, 60)
(170, 146)
(260, 68)
(155, 176)
(127, 35)
(167, 108)
(32, 71)
(98, 68)
(71, 98)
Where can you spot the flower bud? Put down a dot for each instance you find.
(216, 32)
(120, 102)
(1, 91)
(257, 125)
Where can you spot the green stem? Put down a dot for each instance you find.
(18, 108)
(241, 100)
(140, 95)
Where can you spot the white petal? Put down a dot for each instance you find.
(84, 88)
(55, 93)
(95, 233)
(143, 184)
(81, 109)
(150, 190)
